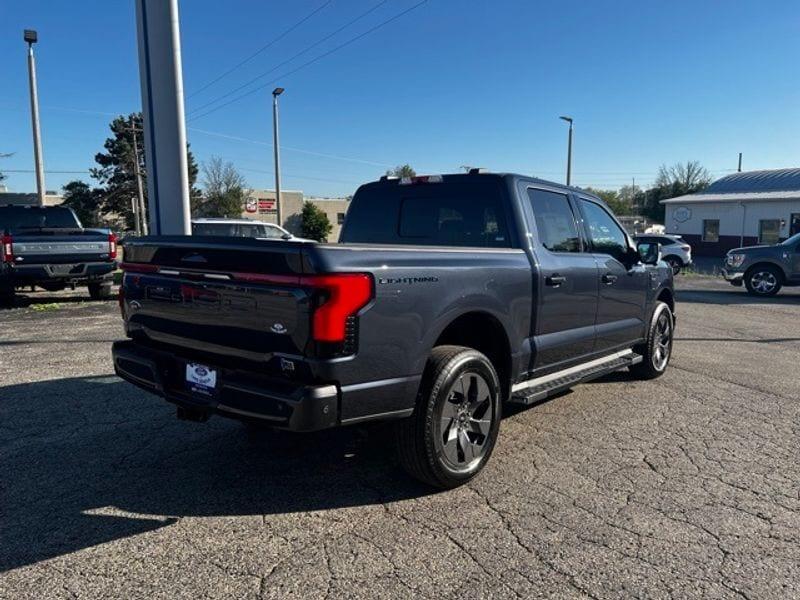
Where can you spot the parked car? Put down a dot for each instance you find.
(48, 247)
(243, 228)
(764, 269)
(446, 296)
(674, 250)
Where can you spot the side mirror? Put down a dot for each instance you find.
(286, 236)
(649, 253)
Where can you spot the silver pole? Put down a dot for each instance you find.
(37, 136)
(142, 209)
(275, 142)
(161, 76)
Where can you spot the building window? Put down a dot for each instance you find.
(769, 231)
(340, 218)
(711, 230)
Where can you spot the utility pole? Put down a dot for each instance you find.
(142, 210)
(275, 93)
(569, 149)
(31, 37)
(740, 163)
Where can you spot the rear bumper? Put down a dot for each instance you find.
(244, 396)
(19, 274)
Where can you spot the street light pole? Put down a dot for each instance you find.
(275, 93)
(31, 38)
(143, 230)
(569, 149)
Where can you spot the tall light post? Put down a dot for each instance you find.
(275, 93)
(31, 38)
(569, 149)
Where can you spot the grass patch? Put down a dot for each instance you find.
(46, 306)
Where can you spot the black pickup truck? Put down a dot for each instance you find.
(446, 296)
(48, 247)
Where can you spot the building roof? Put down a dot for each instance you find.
(751, 186)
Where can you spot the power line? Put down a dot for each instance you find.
(260, 50)
(46, 171)
(313, 60)
(278, 66)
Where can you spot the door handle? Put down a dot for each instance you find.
(608, 278)
(555, 280)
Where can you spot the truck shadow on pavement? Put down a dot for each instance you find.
(92, 460)
(735, 296)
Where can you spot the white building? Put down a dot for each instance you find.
(743, 209)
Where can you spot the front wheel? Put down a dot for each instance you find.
(763, 281)
(451, 435)
(657, 350)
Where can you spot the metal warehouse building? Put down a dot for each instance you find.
(743, 209)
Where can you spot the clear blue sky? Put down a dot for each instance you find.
(452, 82)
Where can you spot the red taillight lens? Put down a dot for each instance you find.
(8, 249)
(112, 246)
(347, 293)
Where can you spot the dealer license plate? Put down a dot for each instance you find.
(201, 379)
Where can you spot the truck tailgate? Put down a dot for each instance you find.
(227, 296)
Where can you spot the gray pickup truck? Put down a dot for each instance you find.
(446, 296)
(764, 270)
(48, 247)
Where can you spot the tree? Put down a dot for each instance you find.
(116, 174)
(614, 201)
(678, 180)
(225, 190)
(405, 170)
(85, 201)
(688, 178)
(3, 176)
(316, 225)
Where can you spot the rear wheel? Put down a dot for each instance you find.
(764, 280)
(453, 430)
(100, 290)
(657, 350)
(6, 296)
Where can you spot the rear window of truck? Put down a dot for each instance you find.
(433, 214)
(21, 218)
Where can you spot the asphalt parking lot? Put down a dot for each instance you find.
(686, 486)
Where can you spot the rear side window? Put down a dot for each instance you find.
(21, 218)
(226, 229)
(555, 221)
(447, 221)
(460, 211)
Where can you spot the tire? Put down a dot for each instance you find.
(6, 296)
(657, 350)
(675, 263)
(100, 291)
(763, 280)
(449, 439)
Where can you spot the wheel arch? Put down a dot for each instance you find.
(485, 333)
(767, 263)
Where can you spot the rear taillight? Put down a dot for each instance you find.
(112, 246)
(8, 249)
(343, 295)
(686, 248)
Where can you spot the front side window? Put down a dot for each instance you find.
(555, 222)
(452, 221)
(769, 231)
(340, 218)
(711, 230)
(605, 235)
(268, 231)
